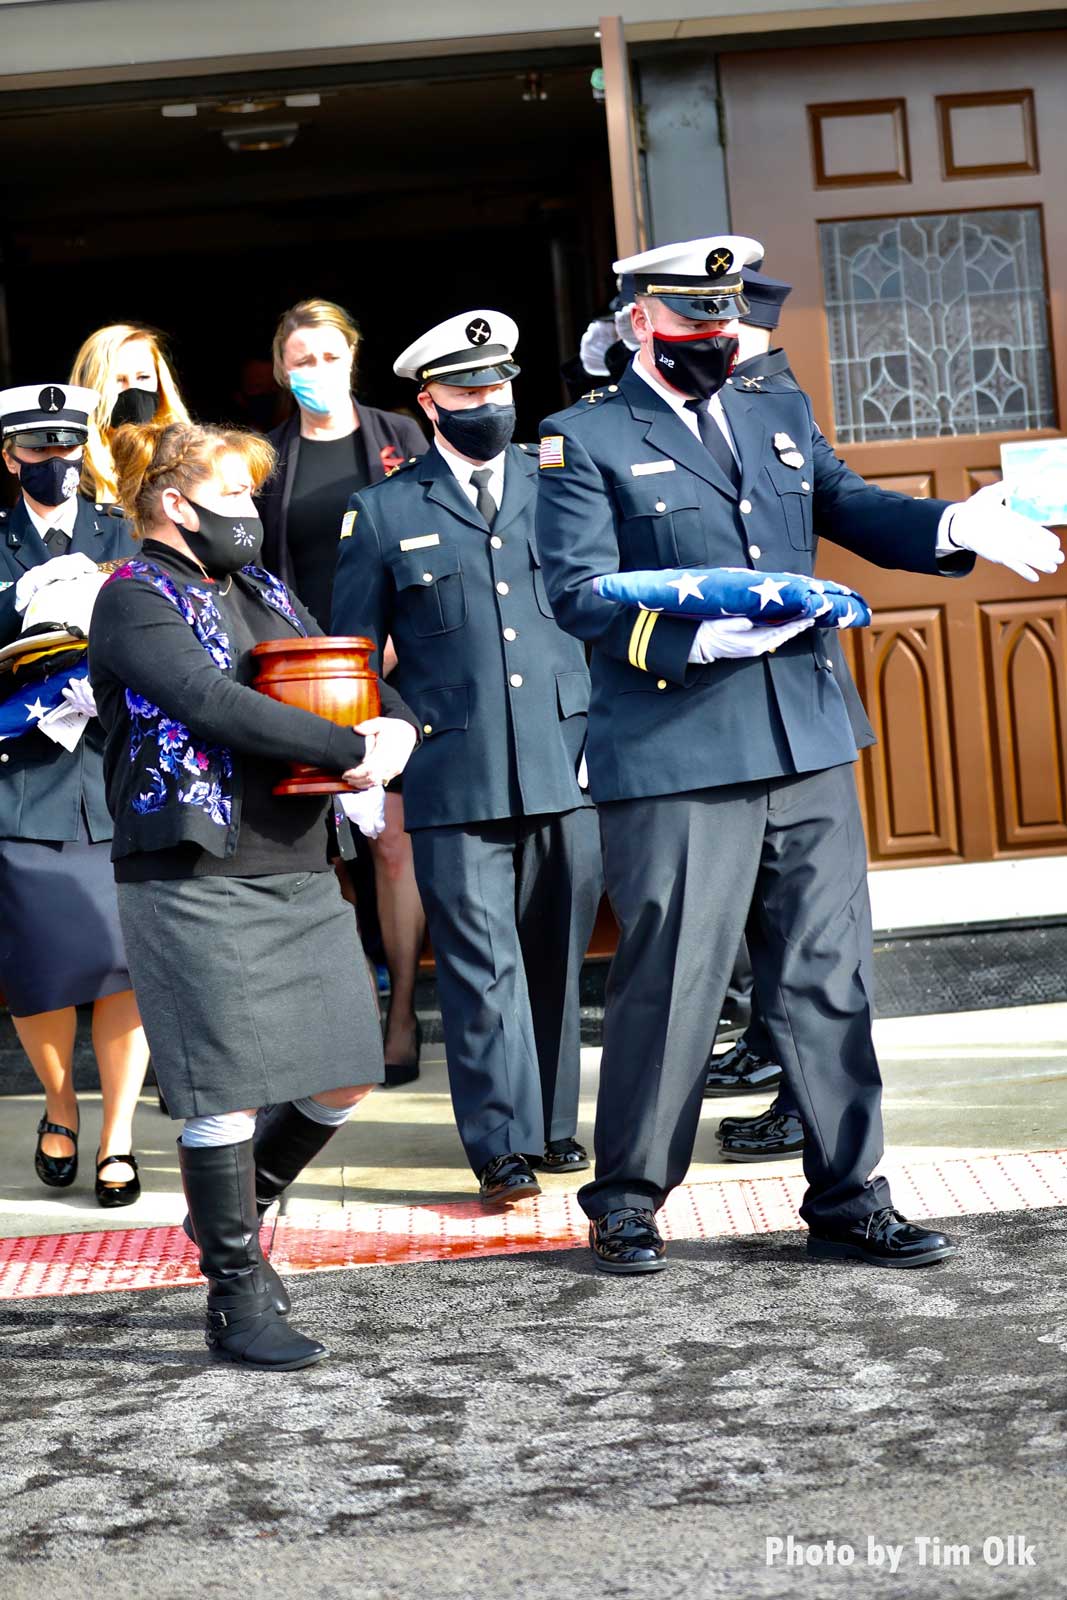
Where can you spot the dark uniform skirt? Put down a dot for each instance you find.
(60, 939)
(252, 991)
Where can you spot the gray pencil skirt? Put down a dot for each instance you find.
(253, 991)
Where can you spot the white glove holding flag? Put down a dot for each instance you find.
(366, 810)
(985, 525)
(80, 697)
(60, 568)
(738, 639)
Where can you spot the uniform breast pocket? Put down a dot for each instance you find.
(663, 522)
(540, 592)
(793, 487)
(430, 591)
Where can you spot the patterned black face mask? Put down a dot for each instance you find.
(697, 364)
(50, 482)
(224, 543)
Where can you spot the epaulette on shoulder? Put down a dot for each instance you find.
(112, 511)
(592, 401)
(403, 466)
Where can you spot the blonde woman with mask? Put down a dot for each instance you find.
(127, 366)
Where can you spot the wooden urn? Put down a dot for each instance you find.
(330, 677)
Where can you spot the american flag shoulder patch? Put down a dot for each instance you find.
(552, 450)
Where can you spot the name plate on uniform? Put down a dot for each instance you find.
(424, 543)
(645, 469)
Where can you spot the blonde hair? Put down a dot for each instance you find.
(313, 314)
(94, 368)
(153, 456)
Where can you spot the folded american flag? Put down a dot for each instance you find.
(769, 597)
(22, 710)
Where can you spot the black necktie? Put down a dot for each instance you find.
(714, 440)
(57, 541)
(485, 502)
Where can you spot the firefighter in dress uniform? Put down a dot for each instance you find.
(720, 752)
(443, 558)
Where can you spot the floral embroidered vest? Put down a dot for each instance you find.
(171, 766)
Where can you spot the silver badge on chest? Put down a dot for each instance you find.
(787, 451)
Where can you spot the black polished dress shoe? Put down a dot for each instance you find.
(111, 1195)
(627, 1241)
(774, 1136)
(733, 1021)
(740, 1071)
(561, 1155)
(58, 1172)
(884, 1239)
(507, 1177)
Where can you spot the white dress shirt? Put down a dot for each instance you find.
(677, 403)
(463, 470)
(63, 516)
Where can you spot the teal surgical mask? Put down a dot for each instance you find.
(323, 390)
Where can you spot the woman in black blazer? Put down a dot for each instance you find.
(330, 447)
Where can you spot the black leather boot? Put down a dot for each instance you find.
(285, 1141)
(243, 1323)
(279, 1293)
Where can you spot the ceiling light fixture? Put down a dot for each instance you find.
(261, 136)
(246, 108)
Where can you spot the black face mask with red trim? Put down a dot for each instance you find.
(696, 363)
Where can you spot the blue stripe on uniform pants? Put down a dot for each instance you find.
(510, 905)
(682, 871)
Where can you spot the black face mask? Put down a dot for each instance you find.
(49, 482)
(134, 405)
(698, 364)
(224, 543)
(480, 433)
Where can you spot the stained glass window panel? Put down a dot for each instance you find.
(938, 325)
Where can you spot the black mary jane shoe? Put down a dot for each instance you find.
(112, 1195)
(740, 1071)
(401, 1072)
(774, 1136)
(507, 1178)
(561, 1155)
(58, 1172)
(627, 1241)
(883, 1239)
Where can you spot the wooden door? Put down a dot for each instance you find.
(916, 196)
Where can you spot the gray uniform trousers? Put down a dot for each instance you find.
(511, 905)
(682, 871)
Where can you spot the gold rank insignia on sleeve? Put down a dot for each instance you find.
(640, 636)
(551, 450)
(348, 522)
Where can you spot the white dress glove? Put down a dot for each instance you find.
(60, 567)
(596, 342)
(738, 639)
(366, 810)
(390, 741)
(985, 525)
(79, 694)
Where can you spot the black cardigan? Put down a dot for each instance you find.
(388, 438)
(155, 682)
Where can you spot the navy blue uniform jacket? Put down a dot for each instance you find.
(42, 786)
(503, 718)
(625, 486)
